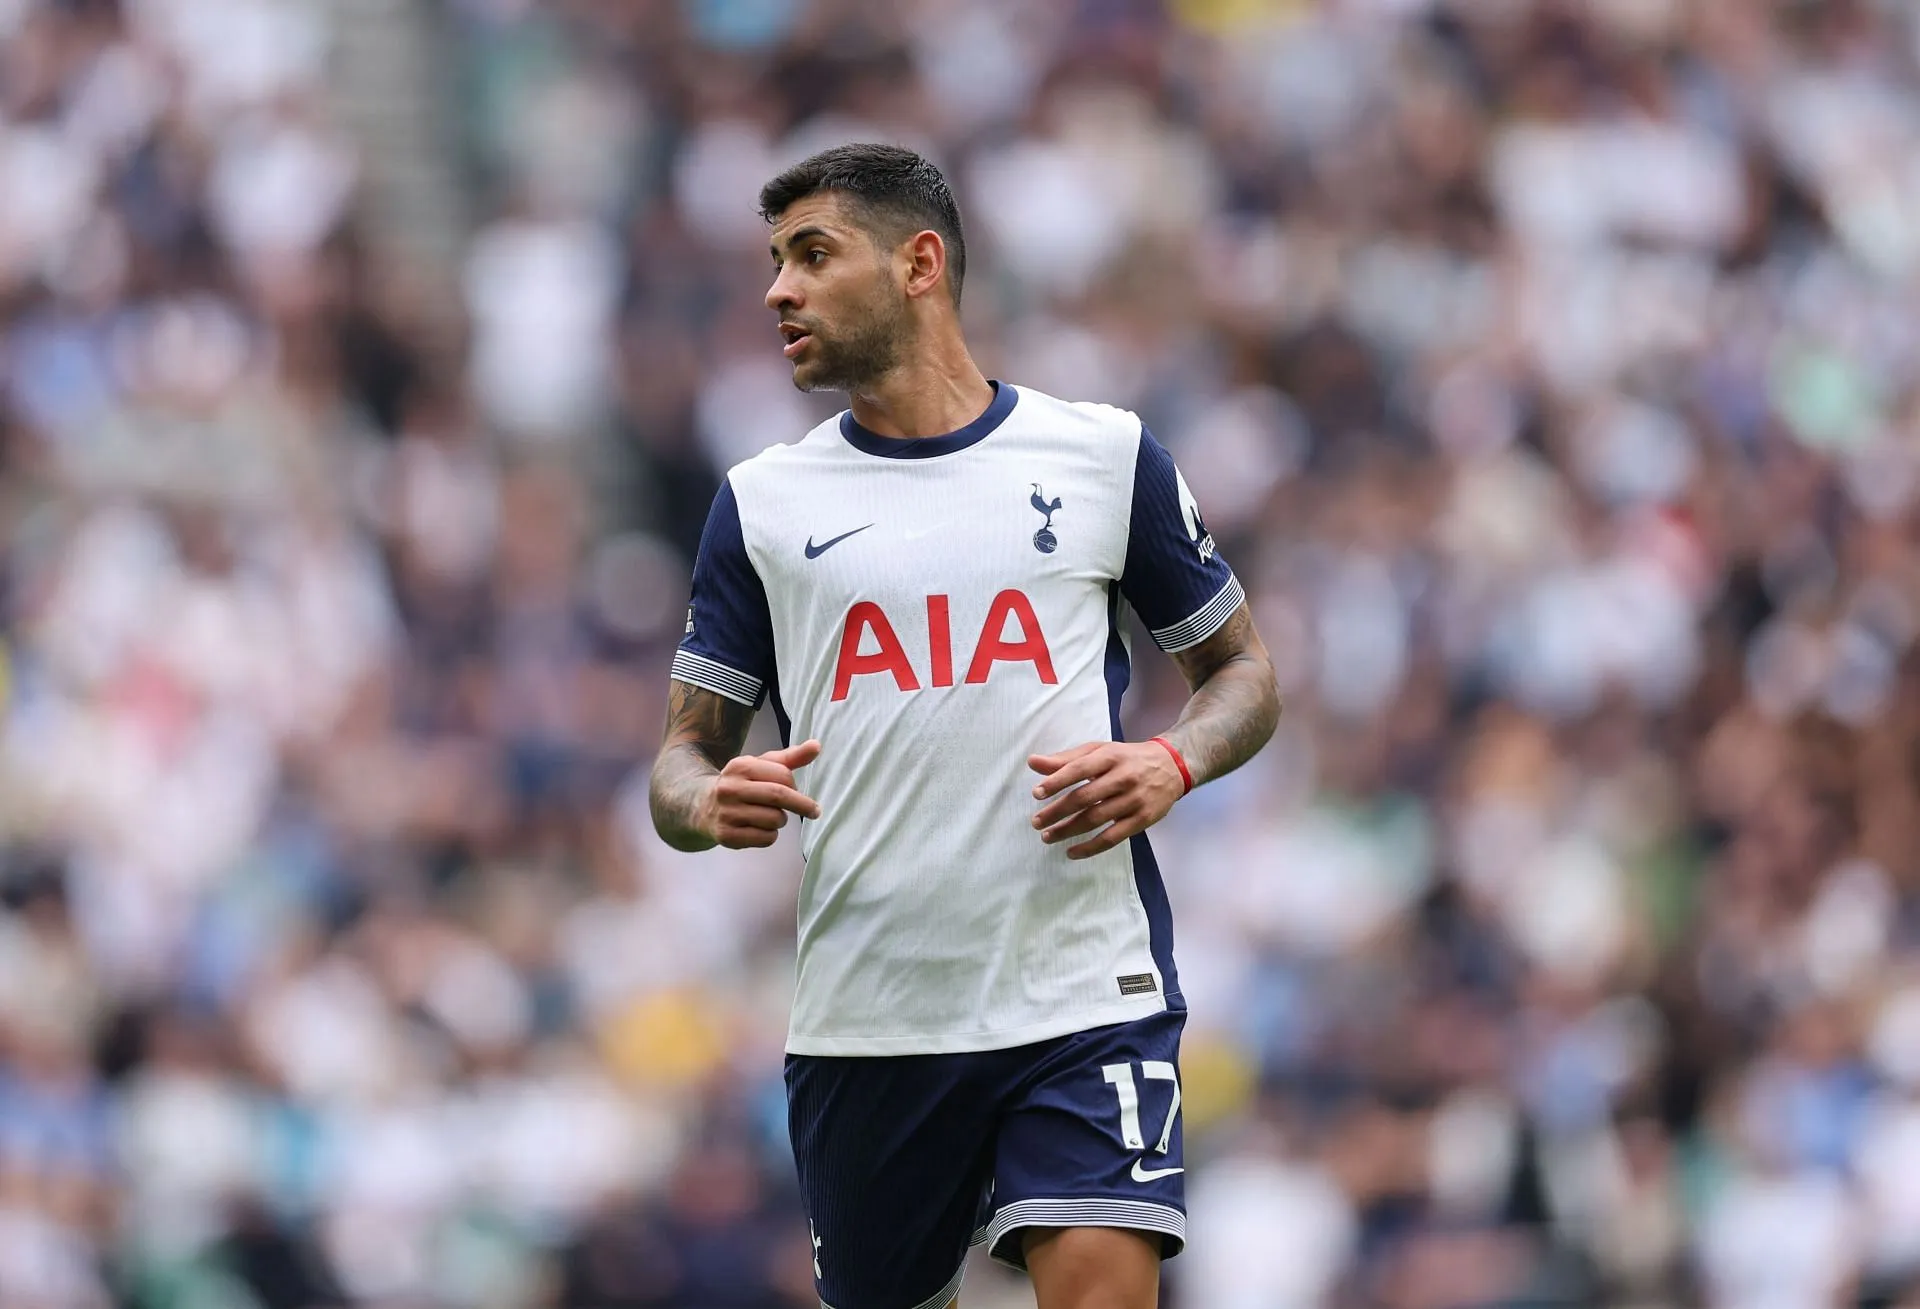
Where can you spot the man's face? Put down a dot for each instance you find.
(842, 314)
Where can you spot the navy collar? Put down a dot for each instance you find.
(929, 447)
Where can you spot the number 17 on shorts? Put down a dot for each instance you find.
(1121, 1078)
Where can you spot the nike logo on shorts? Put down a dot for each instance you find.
(815, 551)
(1152, 1174)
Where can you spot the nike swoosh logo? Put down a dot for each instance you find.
(1152, 1174)
(815, 551)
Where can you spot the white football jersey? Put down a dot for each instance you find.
(934, 611)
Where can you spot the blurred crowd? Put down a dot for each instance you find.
(1548, 369)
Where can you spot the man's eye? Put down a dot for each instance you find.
(816, 256)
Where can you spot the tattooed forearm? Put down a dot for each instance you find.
(704, 730)
(1235, 703)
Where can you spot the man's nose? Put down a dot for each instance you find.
(782, 295)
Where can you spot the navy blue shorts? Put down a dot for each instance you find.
(906, 1160)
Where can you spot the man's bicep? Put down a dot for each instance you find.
(1234, 639)
(714, 724)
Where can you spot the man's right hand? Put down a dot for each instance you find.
(748, 801)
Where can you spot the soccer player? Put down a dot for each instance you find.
(933, 589)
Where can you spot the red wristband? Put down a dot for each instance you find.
(1178, 762)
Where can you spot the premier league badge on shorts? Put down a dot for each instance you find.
(1044, 540)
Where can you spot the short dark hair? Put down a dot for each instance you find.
(899, 191)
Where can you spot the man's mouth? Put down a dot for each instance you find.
(796, 338)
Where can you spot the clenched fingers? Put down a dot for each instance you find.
(753, 795)
(736, 792)
(1052, 763)
(739, 837)
(794, 756)
(1105, 787)
(1123, 830)
(763, 779)
(1091, 818)
(1078, 766)
(755, 816)
(759, 768)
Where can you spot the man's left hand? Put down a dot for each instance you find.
(1124, 787)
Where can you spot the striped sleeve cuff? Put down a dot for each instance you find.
(716, 677)
(1204, 622)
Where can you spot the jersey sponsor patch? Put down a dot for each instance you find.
(1196, 526)
(1137, 984)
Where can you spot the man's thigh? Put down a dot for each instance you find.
(1074, 1266)
(894, 1156)
(1091, 1138)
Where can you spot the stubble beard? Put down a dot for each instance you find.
(861, 358)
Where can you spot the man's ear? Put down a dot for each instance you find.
(926, 260)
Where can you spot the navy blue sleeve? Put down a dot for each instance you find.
(728, 648)
(1174, 578)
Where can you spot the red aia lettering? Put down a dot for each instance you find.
(890, 658)
(992, 647)
(940, 640)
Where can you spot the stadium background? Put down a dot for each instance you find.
(1548, 370)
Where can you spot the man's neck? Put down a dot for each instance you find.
(929, 397)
